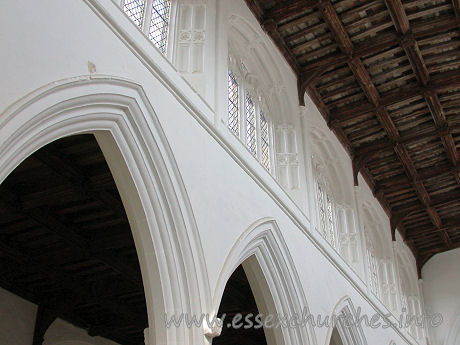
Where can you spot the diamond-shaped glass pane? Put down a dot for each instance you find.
(322, 209)
(135, 10)
(158, 30)
(330, 219)
(264, 138)
(251, 141)
(233, 116)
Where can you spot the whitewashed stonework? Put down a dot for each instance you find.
(201, 202)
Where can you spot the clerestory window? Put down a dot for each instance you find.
(246, 118)
(152, 17)
(326, 210)
(372, 258)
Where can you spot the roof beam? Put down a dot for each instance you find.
(356, 65)
(364, 79)
(410, 46)
(398, 15)
(286, 9)
(271, 28)
(376, 105)
(456, 6)
(385, 41)
(382, 145)
(362, 75)
(436, 201)
(444, 81)
(440, 121)
(412, 50)
(396, 183)
(365, 48)
(306, 79)
(255, 9)
(335, 25)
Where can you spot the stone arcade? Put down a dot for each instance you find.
(281, 164)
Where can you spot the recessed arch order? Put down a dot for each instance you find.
(348, 328)
(274, 281)
(124, 123)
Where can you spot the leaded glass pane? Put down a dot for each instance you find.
(265, 142)
(322, 210)
(158, 31)
(233, 116)
(372, 263)
(330, 219)
(251, 141)
(135, 10)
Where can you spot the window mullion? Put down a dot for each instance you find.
(272, 145)
(242, 112)
(147, 16)
(258, 133)
(334, 233)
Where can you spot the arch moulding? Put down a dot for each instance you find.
(350, 334)
(118, 113)
(274, 281)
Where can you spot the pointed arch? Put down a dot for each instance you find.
(335, 216)
(273, 277)
(119, 114)
(246, 45)
(326, 161)
(351, 333)
(336, 339)
(410, 297)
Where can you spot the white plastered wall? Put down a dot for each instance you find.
(228, 190)
(441, 288)
(17, 317)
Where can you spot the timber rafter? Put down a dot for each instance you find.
(386, 78)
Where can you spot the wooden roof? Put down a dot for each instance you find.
(385, 76)
(66, 244)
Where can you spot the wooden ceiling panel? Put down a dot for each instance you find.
(364, 21)
(69, 241)
(418, 11)
(385, 74)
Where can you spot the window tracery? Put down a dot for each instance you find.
(326, 209)
(250, 124)
(152, 17)
(348, 237)
(233, 106)
(372, 263)
(388, 284)
(135, 10)
(380, 261)
(246, 112)
(410, 295)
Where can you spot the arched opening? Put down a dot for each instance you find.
(347, 328)
(335, 338)
(243, 318)
(273, 282)
(67, 246)
(129, 134)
